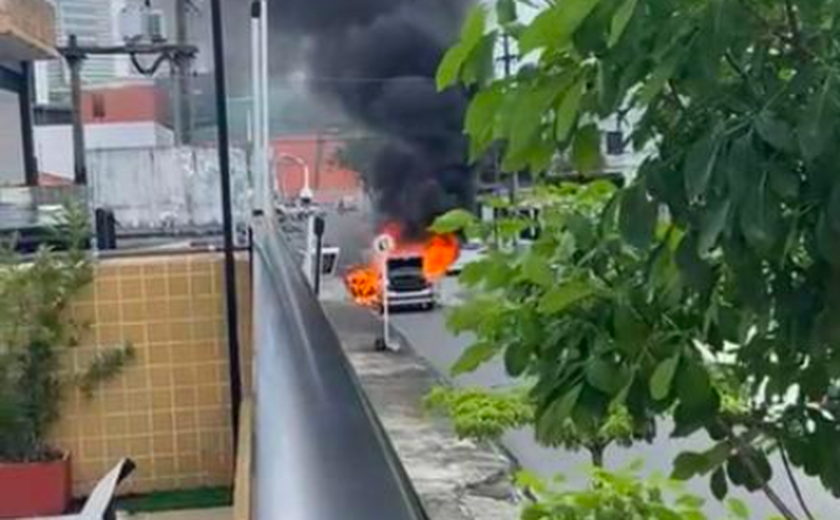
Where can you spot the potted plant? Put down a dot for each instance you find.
(35, 332)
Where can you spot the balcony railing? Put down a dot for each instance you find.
(27, 30)
(319, 451)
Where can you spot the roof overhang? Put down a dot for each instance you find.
(27, 30)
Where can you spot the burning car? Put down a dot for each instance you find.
(410, 269)
(407, 285)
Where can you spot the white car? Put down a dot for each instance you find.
(470, 252)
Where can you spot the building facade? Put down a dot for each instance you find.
(93, 23)
(27, 34)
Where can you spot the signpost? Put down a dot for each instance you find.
(384, 244)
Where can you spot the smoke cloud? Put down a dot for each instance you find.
(376, 60)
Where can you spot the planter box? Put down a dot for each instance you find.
(35, 489)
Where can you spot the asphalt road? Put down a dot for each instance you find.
(427, 334)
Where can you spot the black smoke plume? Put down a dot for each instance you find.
(376, 59)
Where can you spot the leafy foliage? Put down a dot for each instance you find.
(34, 333)
(726, 244)
(481, 414)
(620, 494)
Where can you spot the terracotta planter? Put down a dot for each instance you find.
(35, 489)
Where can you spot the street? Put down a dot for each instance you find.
(427, 334)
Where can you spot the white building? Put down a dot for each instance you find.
(93, 23)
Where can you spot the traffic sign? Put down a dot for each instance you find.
(384, 243)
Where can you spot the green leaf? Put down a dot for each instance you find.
(455, 58)
(555, 415)
(761, 218)
(663, 377)
(568, 111)
(473, 315)
(480, 65)
(638, 216)
(586, 150)
(535, 269)
(688, 464)
(517, 358)
(775, 132)
(690, 501)
(712, 224)
(475, 356)
(452, 221)
(560, 297)
(473, 28)
(718, 484)
(699, 165)
(833, 209)
(532, 104)
(555, 26)
(694, 386)
(620, 20)
(605, 376)
(738, 508)
(659, 77)
(828, 242)
(506, 11)
(481, 116)
(816, 127)
(450, 67)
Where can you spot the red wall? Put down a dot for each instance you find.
(123, 104)
(329, 182)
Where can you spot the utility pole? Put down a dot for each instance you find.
(75, 60)
(507, 60)
(182, 99)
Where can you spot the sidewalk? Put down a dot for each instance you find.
(457, 480)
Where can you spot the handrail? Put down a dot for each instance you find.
(320, 453)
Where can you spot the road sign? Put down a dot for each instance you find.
(384, 243)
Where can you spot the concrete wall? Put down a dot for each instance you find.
(54, 143)
(12, 170)
(169, 410)
(165, 187)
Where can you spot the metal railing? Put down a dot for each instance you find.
(319, 450)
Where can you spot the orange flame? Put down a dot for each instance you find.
(441, 251)
(364, 283)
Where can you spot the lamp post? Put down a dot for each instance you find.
(305, 198)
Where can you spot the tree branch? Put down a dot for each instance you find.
(737, 68)
(793, 25)
(793, 482)
(741, 447)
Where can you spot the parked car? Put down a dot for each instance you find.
(471, 251)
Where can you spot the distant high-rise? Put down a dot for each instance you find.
(92, 21)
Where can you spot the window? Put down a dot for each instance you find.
(615, 142)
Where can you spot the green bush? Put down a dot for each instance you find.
(35, 332)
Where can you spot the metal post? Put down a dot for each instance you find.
(227, 215)
(75, 60)
(268, 203)
(183, 107)
(25, 95)
(319, 251)
(256, 101)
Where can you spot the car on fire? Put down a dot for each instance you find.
(407, 285)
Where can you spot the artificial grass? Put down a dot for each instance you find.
(200, 498)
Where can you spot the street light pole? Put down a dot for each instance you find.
(227, 214)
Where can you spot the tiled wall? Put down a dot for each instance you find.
(170, 409)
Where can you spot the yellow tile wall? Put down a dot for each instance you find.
(170, 408)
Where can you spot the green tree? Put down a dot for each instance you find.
(35, 333)
(725, 245)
